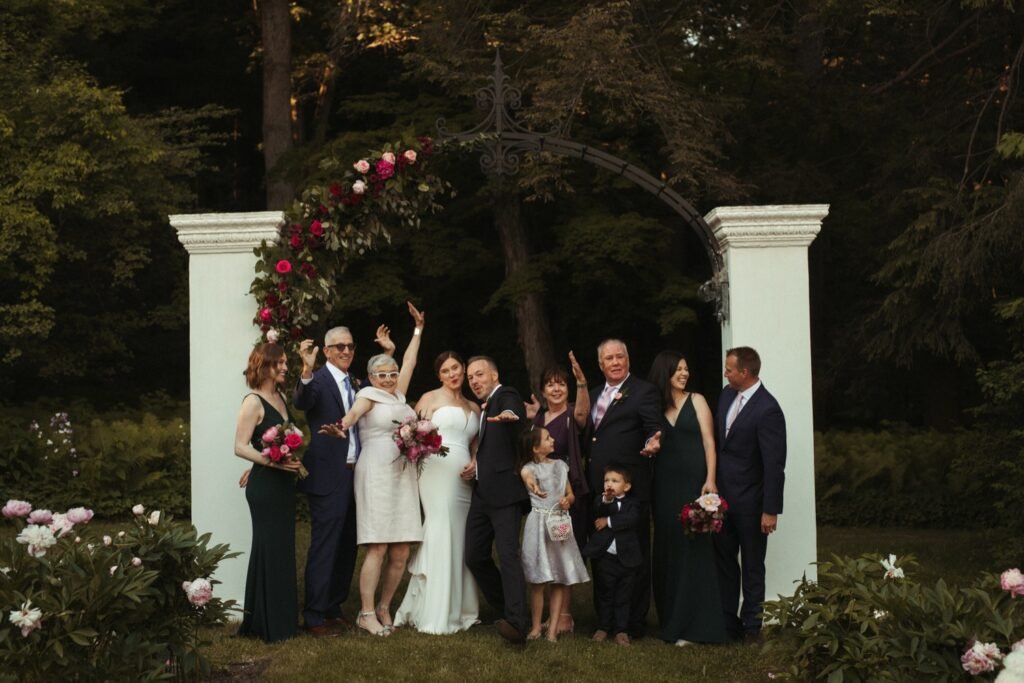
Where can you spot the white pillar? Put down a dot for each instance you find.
(221, 267)
(765, 249)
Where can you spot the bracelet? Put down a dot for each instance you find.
(417, 331)
(581, 385)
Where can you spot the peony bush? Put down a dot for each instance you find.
(866, 619)
(78, 605)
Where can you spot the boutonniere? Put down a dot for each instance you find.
(621, 395)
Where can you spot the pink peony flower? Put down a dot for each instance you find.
(362, 166)
(359, 187)
(60, 524)
(385, 169)
(283, 266)
(410, 156)
(980, 657)
(40, 517)
(16, 508)
(199, 592)
(79, 515)
(425, 426)
(1012, 581)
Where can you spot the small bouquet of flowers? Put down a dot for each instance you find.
(704, 515)
(281, 442)
(417, 440)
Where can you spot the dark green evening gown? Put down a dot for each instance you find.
(271, 604)
(685, 577)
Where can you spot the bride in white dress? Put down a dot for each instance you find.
(442, 595)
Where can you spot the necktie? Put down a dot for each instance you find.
(603, 402)
(734, 410)
(350, 395)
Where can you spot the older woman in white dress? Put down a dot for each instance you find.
(387, 496)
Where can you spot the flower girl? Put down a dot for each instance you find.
(550, 554)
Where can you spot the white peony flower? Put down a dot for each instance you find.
(139, 509)
(107, 540)
(136, 562)
(60, 524)
(709, 502)
(891, 570)
(37, 538)
(154, 518)
(199, 592)
(113, 569)
(28, 618)
(120, 534)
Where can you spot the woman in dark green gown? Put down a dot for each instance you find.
(271, 603)
(683, 568)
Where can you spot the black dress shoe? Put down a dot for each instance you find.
(339, 621)
(510, 632)
(321, 631)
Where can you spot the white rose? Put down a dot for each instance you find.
(139, 509)
(359, 187)
(388, 157)
(272, 336)
(410, 156)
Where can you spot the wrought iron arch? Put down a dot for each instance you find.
(503, 141)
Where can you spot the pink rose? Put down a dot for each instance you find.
(283, 266)
(270, 435)
(388, 157)
(317, 228)
(266, 315)
(40, 517)
(16, 508)
(362, 166)
(385, 169)
(410, 156)
(1012, 581)
(79, 515)
(359, 187)
(275, 453)
(285, 450)
(293, 440)
(618, 395)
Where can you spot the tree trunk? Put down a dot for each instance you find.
(275, 26)
(534, 331)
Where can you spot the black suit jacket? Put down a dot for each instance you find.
(325, 457)
(627, 425)
(623, 531)
(752, 459)
(498, 483)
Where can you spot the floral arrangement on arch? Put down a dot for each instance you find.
(331, 224)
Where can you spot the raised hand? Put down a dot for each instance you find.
(506, 416)
(577, 371)
(418, 317)
(307, 352)
(384, 339)
(532, 407)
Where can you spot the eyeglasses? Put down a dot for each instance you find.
(385, 375)
(342, 347)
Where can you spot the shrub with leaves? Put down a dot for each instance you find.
(81, 606)
(866, 620)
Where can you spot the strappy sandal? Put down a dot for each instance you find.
(387, 627)
(359, 622)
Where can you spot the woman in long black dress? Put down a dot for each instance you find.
(564, 422)
(271, 604)
(683, 568)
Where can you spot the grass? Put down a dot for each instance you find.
(480, 655)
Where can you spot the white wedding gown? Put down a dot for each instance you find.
(442, 595)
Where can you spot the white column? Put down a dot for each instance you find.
(765, 250)
(221, 267)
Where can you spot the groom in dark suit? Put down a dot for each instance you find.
(751, 433)
(496, 509)
(325, 396)
(626, 423)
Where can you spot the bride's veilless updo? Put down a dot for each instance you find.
(443, 357)
(261, 363)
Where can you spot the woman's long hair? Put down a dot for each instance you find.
(662, 369)
(261, 363)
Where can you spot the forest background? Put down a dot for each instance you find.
(902, 115)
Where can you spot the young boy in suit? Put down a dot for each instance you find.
(614, 551)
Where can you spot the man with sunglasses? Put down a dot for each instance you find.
(325, 395)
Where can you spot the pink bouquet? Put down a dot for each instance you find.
(704, 515)
(281, 442)
(417, 440)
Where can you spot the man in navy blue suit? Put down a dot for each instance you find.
(325, 396)
(751, 433)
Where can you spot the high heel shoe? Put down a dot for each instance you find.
(384, 611)
(359, 622)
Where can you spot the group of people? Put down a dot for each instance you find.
(591, 474)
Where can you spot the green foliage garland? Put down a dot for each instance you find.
(297, 276)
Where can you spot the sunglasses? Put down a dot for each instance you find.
(385, 375)
(343, 347)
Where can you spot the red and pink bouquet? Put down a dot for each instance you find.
(281, 443)
(417, 440)
(704, 515)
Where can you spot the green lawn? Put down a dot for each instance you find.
(480, 655)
